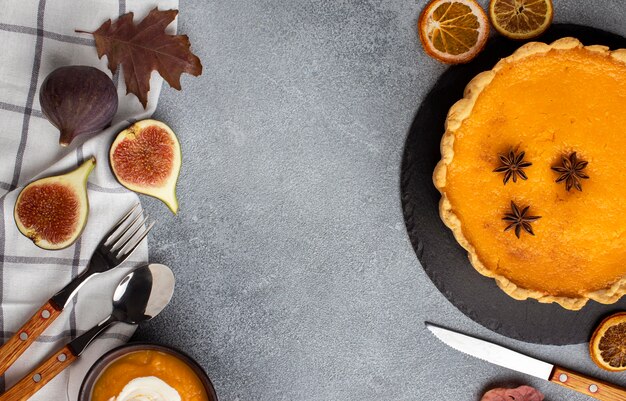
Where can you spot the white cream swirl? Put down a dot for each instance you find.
(147, 389)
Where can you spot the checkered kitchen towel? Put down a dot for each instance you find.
(36, 37)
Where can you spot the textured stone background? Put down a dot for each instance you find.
(296, 279)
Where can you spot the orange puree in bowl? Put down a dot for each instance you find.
(166, 367)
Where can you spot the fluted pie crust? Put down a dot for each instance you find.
(460, 113)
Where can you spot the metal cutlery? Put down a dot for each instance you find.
(514, 360)
(140, 296)
(117, 245)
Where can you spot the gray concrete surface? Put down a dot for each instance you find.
(296, 280)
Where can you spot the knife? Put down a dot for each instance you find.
(514, 360)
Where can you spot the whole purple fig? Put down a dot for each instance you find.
(78, 100)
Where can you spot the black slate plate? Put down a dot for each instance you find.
(444, 261)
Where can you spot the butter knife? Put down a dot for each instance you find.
(514, 360)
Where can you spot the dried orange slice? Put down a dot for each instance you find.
(608, 343)
(521, 19)
(453, 31)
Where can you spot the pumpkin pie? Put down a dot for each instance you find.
(531, 175)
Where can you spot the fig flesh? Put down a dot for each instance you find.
(146, 158)
(78, 100)
(53, 211)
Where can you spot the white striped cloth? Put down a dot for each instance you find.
(36, 37)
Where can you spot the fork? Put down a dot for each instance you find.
(116, 246)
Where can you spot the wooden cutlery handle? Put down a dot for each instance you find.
(587, 385)
(39, 377)
(26, 335)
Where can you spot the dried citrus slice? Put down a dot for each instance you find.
(608, 343)
(521, 19)
(453, 31)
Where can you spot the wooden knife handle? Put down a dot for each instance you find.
(587, 385)
(26, 335)
(40, 376)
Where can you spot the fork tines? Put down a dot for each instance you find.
(128, 233)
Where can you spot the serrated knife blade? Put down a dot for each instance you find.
(492, 353)
(514, 360)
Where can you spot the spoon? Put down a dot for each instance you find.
(141, 295)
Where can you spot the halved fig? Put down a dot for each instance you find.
(53, 211)
(146, 158)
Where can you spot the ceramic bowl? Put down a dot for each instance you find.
(107, 359)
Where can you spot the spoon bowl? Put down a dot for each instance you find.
(141, 295)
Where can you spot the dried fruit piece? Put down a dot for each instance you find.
(53, 211)
(146, 158)
(607, 346)
(453, 31)
(522, 393)
(78, 100)
(521, 19)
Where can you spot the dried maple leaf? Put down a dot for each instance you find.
(145, 47)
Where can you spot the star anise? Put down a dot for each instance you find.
(513, 166)
(571, 170)
(519, 220)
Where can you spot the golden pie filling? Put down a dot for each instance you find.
(548, 101)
